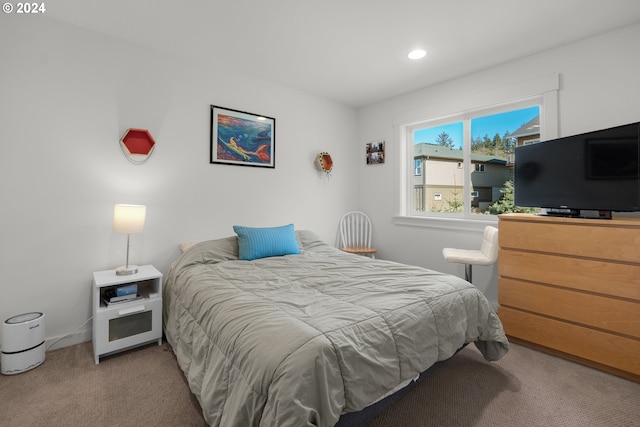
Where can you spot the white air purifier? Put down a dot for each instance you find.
(22, 343)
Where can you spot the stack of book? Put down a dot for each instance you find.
(121, 294)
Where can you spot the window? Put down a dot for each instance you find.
(417, 167)
(461, 163)
(444, 158)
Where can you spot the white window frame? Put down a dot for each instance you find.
(542, 91)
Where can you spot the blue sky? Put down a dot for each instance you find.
(487, 125)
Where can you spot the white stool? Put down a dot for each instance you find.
(487, 255)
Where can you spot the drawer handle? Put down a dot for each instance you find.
(126, 311)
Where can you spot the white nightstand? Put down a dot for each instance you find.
(124, 325)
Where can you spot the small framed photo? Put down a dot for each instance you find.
(375, 153)
(241, 138)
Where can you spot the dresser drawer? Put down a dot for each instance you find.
(607, 349)
(616, 240)
(607, 278)
(616, 315)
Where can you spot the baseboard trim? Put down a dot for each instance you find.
(66, 340)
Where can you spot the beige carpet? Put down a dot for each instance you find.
(525, 388)
(144, 387)
(141, 387)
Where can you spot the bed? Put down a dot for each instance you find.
(301, 338)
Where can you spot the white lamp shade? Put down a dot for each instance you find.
(129, 218)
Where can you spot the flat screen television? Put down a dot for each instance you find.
(591, 174)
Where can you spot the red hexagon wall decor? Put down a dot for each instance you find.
(137, 144)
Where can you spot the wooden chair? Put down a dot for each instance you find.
(355, 234)
(487, 255)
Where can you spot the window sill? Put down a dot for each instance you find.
(441, 223)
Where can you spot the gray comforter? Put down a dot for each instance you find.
(298, 340)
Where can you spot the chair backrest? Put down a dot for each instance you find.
(355, 230)
(490, 243)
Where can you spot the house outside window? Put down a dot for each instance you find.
(528, 133)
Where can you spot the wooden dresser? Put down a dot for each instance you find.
(571, 286)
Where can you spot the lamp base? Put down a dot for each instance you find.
(126, 270)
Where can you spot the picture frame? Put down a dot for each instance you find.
(375, 154)
(242, 138)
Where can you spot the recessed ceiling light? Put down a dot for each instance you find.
(417, 54)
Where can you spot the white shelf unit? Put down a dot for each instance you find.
(125, 325)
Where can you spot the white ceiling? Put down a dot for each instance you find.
(350, 51)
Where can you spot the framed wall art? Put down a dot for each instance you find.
(241, 138)
(375, 153)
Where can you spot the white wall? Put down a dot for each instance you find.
(66, 97)
(599, 88)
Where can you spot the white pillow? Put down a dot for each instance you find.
(185, 246)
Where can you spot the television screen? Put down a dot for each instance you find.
(593, 171)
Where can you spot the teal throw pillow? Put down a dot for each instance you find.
(254, 243)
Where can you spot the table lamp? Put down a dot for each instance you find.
(128, 219)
